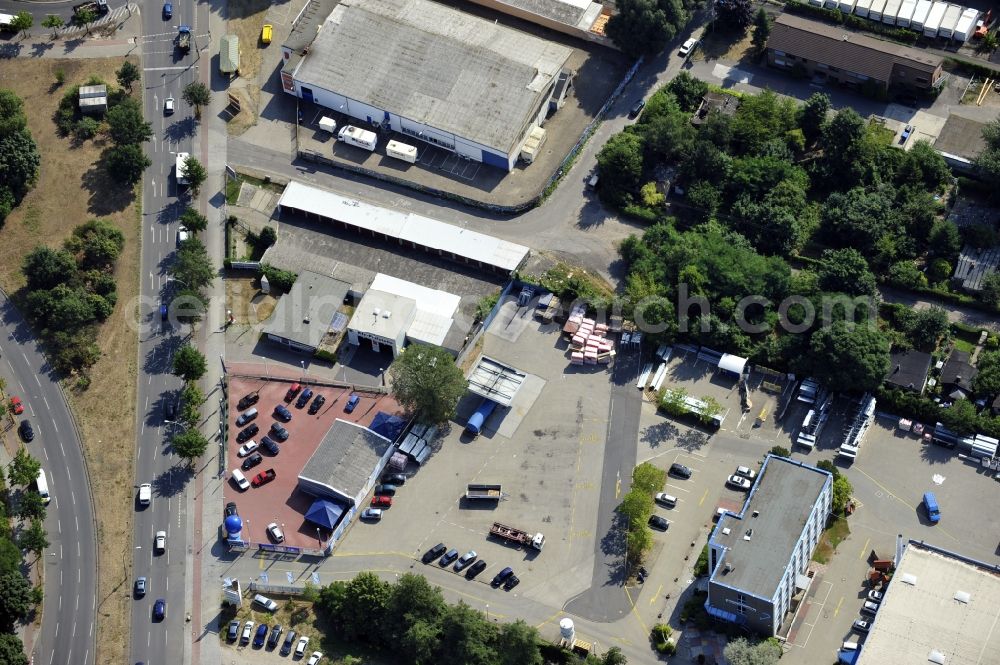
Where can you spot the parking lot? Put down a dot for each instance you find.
(546, 453)
(279, 501)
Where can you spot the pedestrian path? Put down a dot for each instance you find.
(113, 35)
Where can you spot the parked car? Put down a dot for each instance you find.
(247, 433)
(906, 134)
(658, 522)
(869, 607)
(875, 596)
(665, 499)
(272, 639)
(511, 582)
(263, 478)
(448, 557)
(637, 108)
(275, 532)
(270, 445)
(281, 412)
(293, 390)
(382, 501)
(168, 109)
(465, 560)
(159, 609)
(241, 481)
(500, 577)
(234, 630)
(372, 514)
(265, 34)
(16, 405)
(314, 658)
(352, 403)
(247, 448)
(739, 482)
(680, 470)
(317, 404)
(304, 398)
(160, 541)
(385, 489)
(861, 625)
(247, 632)
(475, 569)
(687, 47)
(247, 401)
(231, 509)
(246, 417)
(746, 472)
(26, 430)
(140, 587)
(252, 461)
(260, 636)
(286, 646)
(434, 552)
(394, 479)
(279, 432)
(300, 648)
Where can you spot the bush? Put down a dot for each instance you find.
(323, 354)
(279, 279)
(661, 639)
(836, 16)
(701, 564)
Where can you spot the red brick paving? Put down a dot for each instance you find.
(280, 501)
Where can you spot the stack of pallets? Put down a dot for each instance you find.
(589, 343)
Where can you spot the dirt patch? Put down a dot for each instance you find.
(70, 191)
(246, 18)
(245, 300)
(725, 47)
(249, 103)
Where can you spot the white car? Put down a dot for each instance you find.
(247, 631)
(875, 596)
(746, 472)
(168, 106)
(300, 648)
(274, 531)
(373, 514)
(313, 659)
(241, 480)
(688, 47)
(160, 542)
(666, 499)
(247, 448)
(739, 482)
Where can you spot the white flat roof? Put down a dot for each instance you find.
(435, 309)
(422, 231)
(732, 363)
(383, 314)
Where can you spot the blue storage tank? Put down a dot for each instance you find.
(234, 525)
(476, 420)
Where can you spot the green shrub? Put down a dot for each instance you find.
(701, 564)
(279, 279)
(323, 354)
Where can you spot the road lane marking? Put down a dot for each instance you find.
(618, 484)
(864, 547)
(635, 611)
(703, 497)
(836, 610)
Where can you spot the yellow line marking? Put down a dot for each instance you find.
(642, 623)
(908, 505)
(837, 609)
(656, 595)
(864, 548)
(549, 620)
(703, 497)
(618, 484)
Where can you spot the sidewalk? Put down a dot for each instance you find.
(115, 35)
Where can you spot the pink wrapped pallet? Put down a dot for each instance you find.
(601, 328)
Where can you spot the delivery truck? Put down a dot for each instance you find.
(181, 175)
(517, 536)
(489, 492)
(362, 138)
(407, 153)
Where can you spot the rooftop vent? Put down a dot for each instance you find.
(748, 535)
(386, 314)
(305, 320)
(376, 312)
(728, 568)
(909, 578)
(936, 656)
(726, 531)
(963, 596)
(756, 513)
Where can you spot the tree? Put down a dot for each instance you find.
(85, 16)
(125, 122)
(86, 128)
(192, 267)
(466, 637)
(190, 444)
(848, 155)
(126, 163)
(30, 505)
(268, 236)
(741, 652)
(614, 656)
(54, 22)
(988, 160)
(620, 166)
(19, 162)
(194, 221)
(34, 538)
(812, 116)
(648, 478)
(195, 174)
(842, 490)
(23, 469)
(12, 116)
(10, 557)
(846, 271)
(12, 650)
(735, 15)
(688, 91)
(987, 381)
(427, 383)
(827, 465)
(990, 293)
(945, 241)
(989, 43)
(15, 600)
(189, 363)
(923, 166)
(517, 644)
(128, 74)
(191, 400)
(363, 607)
(644, 27)
(651, 197)
(761, 31)
(22, 21)
(924, 327)
(778, 451)
(98, 243)
(197, 95)
(412, 597)
(848, 358)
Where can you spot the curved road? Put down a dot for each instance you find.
(68, 630)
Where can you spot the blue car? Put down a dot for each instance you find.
(159, 609)
(352, 402)
(258, 639)
(168, 10)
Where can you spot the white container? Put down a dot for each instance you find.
(846, 6)
(966, 25)
(920, 13)
(327, 124)
(875, 12)
(830, 4)
(356, 136)
(905, 12)
(861, 9)
(934, 18)
(952, 15)
(890, 11)
(407, 153)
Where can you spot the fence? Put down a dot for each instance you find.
(481, 327)
(245, 265)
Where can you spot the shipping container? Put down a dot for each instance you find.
(905, 13)
(862, 7)
(920, 13)
(890, 11)
(952, 15)
(934, 18)
(966, 25)
(875, 12)
(830, 4)
(846, 6)
(327, 124)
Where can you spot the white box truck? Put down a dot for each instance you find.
(846, 6)
(862, 7)
(43, 486)
(875, 13)
(181, 175)
(356, 136)
(407, 153)
(905, 12)
(920, 13)
(934, 18)
(966, 25)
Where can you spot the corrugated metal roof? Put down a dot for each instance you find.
(422, 231)
(229, 54)
(846, 50)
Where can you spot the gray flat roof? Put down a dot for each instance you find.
(435, 65)
(310, 18)
(383, 314)
(924, 611)
(305, 313)
(568, 12)
(344, 461)
(784, 494)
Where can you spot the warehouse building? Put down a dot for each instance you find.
(857, 61)
(307, 313)
(758, 558)
(432, 73)
(579, 18)
(346, 464)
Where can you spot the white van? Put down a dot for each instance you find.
(43, 486)
(145, 494)
(240, 480)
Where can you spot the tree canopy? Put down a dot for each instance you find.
(23, 469)
(189, 363)
(427, 383)
(189, 444)
(643, 27)
(848, 358)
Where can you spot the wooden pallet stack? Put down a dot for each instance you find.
(589, 344)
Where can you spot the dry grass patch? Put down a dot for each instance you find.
(71, 189)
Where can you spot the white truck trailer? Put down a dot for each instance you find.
(181, 175)
(362, 138)
(861, 9)
(934, 18)
(920, 13)
(905, 13)
(890, 11)
(952, 15)
(407, 153)
(966, 25)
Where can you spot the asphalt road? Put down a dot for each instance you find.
(67, 630)
(165, 73)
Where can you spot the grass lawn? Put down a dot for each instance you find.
(881, 133)
(71, 190)
(831, 538)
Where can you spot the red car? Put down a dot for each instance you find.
(293, 390)
(263, 478)
(381, 502)
(16, 406)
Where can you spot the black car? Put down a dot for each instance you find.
(386, 490)
(247, 433)
(475, 569)
(434, 552)
(502, 576)
(286, 646)
(279, 432)
(317, 404)
(27, 431)
(231, 509)
(269, 445)
(234, 630)
(394, 479)
(247, 401)
(282, 413)
(304, 398)
(169, 408)
(637, 108)
(449, 556)
(680, 470)
(511, 582)
(658, 522)
(272, 639)
(252, 461)
(260, 636)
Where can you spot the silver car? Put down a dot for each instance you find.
(465, 560)
(168, 106)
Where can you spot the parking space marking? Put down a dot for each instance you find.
(864, 548)
(703, 497)
(819, 605)
(893, 495)
(652, 599)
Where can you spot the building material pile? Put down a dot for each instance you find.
(589, 344)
